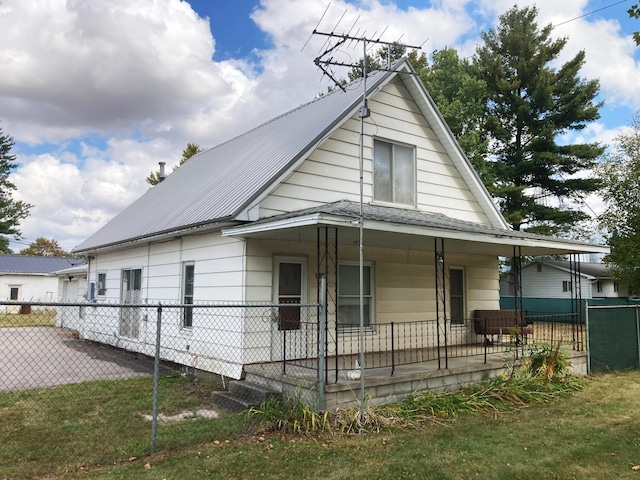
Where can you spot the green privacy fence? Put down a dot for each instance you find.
(613, 334)
(539, 306)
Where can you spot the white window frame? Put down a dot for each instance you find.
(101, 292)
(567, 286)
(17, 289)
(187, 294)
(369, 322)
(394, 178)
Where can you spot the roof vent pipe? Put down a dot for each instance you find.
(161, 175)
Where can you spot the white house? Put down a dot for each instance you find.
(254, 219)
(550, 278)
(25, 278)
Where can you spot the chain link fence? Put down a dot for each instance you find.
(48, 345)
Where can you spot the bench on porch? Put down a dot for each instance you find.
(500, 322)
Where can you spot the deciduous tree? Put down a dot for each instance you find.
(620, 173)
(44, 247)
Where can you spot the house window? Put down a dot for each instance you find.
(102, 283)
(599, 286)
(566, 286)
(14, 293)
(539, 267)
(188, 277)
(394, 178)
(615, 287)
(457, 300)
(349, 296)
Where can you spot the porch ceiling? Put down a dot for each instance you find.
(394, 228)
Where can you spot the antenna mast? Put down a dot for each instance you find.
(324, 61)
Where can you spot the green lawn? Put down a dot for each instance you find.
(96, 430)
(44, 318)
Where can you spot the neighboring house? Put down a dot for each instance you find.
(254, 219)
(549, 278)
(26, 278)
(72, 284)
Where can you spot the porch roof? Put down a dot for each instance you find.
(399, 228)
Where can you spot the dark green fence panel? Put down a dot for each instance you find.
(534, 306)
(613, 338)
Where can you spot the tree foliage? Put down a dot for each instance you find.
(530, 104)
(12, 211)
(634, 12)
(462, 100)
(620, 221)
(44, 247)
(190, 150)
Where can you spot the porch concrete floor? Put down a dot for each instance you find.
(305, 375)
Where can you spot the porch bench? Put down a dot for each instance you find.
(500, 322)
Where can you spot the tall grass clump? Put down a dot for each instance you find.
(290, 414)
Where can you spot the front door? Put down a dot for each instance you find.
(130, 295)
(289, 325)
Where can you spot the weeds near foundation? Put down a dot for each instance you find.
(292, 415)
(538, 381)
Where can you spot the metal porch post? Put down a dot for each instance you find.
(441, 298)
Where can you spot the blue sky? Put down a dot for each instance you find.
(96, 93)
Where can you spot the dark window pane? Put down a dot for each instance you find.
(290, 281)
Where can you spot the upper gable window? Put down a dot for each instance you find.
(394, 173)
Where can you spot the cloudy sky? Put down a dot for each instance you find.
(97, 92)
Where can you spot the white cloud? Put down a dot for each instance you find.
(138, 75)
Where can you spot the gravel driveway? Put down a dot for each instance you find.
(32, 357)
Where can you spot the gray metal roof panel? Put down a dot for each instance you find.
(596, 270)
(36, 265)
(411, 217)
(218, 183)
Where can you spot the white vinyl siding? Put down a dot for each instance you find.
(331, 172)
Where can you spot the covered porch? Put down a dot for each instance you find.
(436, 345)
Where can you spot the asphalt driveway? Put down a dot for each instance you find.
(32, 357)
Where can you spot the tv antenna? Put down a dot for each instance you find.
(325, 61)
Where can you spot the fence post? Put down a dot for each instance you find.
(322, 326)
(156, 378)
(637, 336)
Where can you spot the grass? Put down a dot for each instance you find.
(96, 431)
(44, 318)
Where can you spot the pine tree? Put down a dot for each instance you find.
(530, 105)
(11, 211)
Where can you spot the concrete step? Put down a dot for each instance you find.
(242, 395)
(252, 391)
(231, 402)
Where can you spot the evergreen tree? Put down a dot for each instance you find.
(11, 211)
(530, 105)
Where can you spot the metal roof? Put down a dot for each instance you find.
(218, 183)
(587, 269)
(27, 264)
(346, 213)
